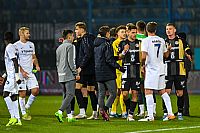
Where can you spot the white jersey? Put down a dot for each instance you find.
(10, 53)
(155, 48)
(25, 52)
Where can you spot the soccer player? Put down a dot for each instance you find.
(105, 67)
(130, 53)
(153, 49)
(176, 72)
(27, 57)
(187, 63)
(66, 68)
(10, 91)
(121, 35)
(141, 34)
(86, 69)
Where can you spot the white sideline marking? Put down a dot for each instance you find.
(165, 129)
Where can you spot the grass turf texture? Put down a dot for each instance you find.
(44, 121)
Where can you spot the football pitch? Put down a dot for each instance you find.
(44, 121)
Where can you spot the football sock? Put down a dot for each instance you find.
(30, 101)
(22, 105)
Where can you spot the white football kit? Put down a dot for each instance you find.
(155, 69)
(10, 84)
(25, 53)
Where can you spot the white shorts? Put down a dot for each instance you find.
(154, 81)
(11, 86)
(28, 83)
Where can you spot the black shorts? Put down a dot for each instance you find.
(179, 82)
(131, 83)
(87, 80)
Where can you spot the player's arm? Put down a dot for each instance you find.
(35, 62)
(16, 66)
(188, 51)
(71, 60)
(110, 58)
(166, 53)
(144, 56)
(87, 48)
(2, 78)
(123, 50)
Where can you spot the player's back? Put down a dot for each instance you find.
(155, 48)
(10, 53)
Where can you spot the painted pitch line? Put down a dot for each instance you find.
(165, 129)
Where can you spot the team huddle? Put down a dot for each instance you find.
(126, 65)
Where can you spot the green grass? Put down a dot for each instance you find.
(44, 121)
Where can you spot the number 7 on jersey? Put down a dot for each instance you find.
(157, 45)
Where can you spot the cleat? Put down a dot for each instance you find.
(104, 115)
(12, 121)
(28, 111)
(180, 117)
(71, 119)
(80, 116)
(26, 117)
(114, 116)
(171, 117)
(168, 117)
(140, 115)
(124, 116)
(19, 123)
(165, 118)
(147, 119)
(93, 117)
(59, 117)
(130, 118)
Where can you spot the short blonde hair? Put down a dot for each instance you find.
(22, 29)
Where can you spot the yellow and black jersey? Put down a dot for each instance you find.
(116, 53)
(175, 61)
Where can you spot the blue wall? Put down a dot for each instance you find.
(197, 58)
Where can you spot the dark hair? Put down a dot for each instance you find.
(81, 25)
(8, 36)
(141, 25)
(171, 24)
(103, 30)
(131, 26)
(113, 32)
(151, 27)
(120, 27)
(66, 32)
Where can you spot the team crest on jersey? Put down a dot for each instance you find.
(137, 83)
(176, 42)
(136, 45)
(30, 46)
(182, 83)
(7, 82)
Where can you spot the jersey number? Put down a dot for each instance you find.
(157, 45)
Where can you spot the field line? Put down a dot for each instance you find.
(165, 129)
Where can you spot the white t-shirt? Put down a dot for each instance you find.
(25, 52)
(10, 53)
(155, 48)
